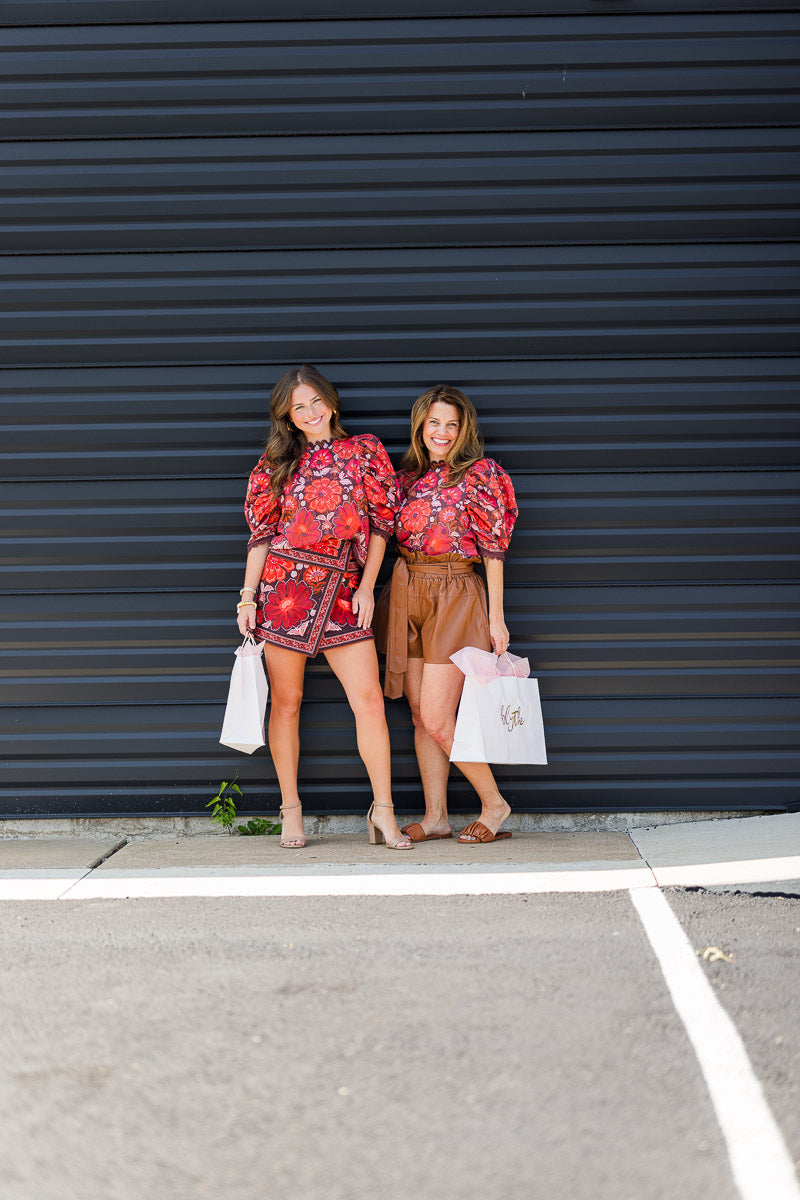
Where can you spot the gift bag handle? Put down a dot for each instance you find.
(249, 641)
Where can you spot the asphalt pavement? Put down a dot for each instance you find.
(416, 1039)
(452, 1048)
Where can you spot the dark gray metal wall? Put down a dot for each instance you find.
(582, 213)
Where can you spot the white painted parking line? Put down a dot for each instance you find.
(319, 882)
(708, 853)
(762, 1166)
(38, 885)
(710, 874)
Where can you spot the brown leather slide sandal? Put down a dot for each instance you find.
(476, 832)
(418, 834)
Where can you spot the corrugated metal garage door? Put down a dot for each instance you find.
(584, 219)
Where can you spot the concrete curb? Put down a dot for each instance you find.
(753, 852)
(172, 827)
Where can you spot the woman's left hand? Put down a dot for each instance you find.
(363, 605)
(499, 635)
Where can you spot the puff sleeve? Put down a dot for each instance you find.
(491, 507)
(380, 485)
(261, 507)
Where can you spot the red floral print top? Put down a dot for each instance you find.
(342, 491)
(473, 519)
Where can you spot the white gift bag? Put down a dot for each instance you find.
(243, 726)
(500, 714)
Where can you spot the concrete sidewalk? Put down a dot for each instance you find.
(749, 853)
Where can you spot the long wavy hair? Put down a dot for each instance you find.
(286, 443)
(468, 446)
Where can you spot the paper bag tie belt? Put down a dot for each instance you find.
(397, 632)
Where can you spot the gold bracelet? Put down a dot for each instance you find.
(246, 604)
(247, 589)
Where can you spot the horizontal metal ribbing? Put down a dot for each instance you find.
(580, 217)
(213, 193)
(492, 73)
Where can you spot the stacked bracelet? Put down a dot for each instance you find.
(245, 604)
(246, 589)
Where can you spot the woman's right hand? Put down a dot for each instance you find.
(246, 619)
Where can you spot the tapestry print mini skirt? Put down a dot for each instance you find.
(305, 600)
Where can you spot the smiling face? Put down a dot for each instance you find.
(310, 414)
(440, 430)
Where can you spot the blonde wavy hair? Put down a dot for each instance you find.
(468, 446)
(285, 444)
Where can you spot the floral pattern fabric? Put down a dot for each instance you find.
(305, 601)
(472, 519)
(342, 491)
(319, 530)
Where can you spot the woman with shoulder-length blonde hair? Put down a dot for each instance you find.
(458, 508)
(321, 507)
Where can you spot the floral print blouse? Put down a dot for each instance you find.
(473, 519)
(343, 491)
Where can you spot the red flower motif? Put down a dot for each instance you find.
(342, 612)
(321, 458)
(414, 516)
(304, 530)
(451, 495)
(449, 516)
(353, 467)
(273, 570)
(323, 495)
(438, 540)
(314, 576)
(287, 605)
(346, 522)
(425, 486)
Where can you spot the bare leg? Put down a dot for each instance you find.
(434, 765)
(356, 668)
(286, 669)
(439, 696)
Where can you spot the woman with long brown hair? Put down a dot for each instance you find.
(320, 506)
(458, 508)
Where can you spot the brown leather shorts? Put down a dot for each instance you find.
(440, 603)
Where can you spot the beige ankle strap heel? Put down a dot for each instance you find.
(377, 836)
(291, 843)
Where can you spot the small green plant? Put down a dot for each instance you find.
(223, 806)
(223, 811)
(258, 825)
